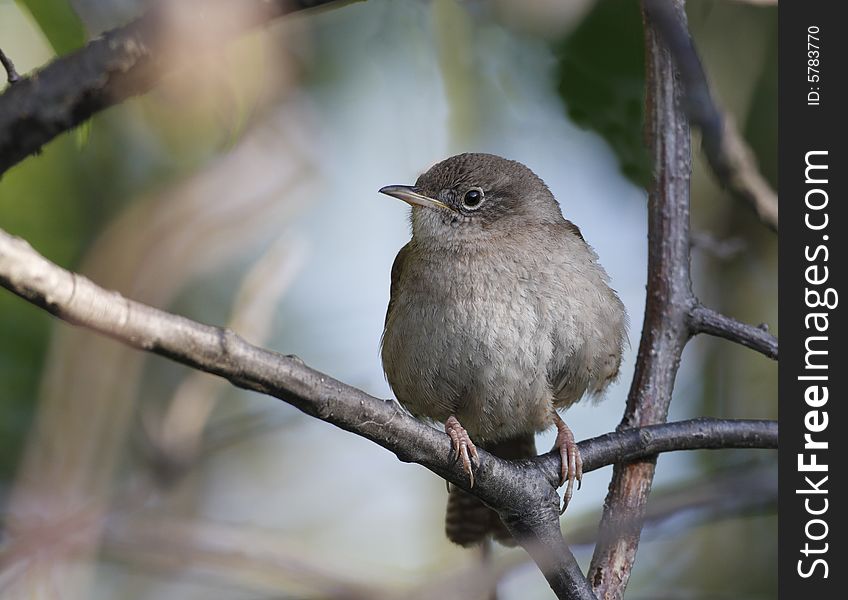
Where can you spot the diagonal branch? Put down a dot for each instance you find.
(728, 154)
(122, 63)
(523, 492)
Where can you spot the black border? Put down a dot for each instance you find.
(804, 128)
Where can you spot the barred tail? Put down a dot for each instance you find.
(468, 521)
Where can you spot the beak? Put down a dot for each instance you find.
(412, 196)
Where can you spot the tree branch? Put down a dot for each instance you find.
(676, 85)
(728, 154)
(523, 492)
(665, 330)
(706, 320)
(123, 63)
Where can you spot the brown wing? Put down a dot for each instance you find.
(397, 269)
(592, 365)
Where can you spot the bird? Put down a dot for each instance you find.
(500, 315)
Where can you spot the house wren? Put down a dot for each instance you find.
(499, 315)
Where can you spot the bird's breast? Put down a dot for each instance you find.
(464, 338)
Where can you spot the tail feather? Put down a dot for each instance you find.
(468, 521)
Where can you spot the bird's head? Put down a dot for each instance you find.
(474, 195)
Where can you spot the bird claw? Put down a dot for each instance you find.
(462, 448)
(570, 460)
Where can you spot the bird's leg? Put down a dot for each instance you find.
(572, 462)
(463, 448)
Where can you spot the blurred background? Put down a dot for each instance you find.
(243, 191)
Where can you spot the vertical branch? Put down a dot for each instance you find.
(667, 305)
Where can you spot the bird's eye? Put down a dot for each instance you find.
(472, 199)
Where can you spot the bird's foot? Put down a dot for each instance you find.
(572, 462)
(463, 448)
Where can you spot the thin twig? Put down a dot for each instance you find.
(728, 154)
(11, 75)
(706, 320)
(637, 443)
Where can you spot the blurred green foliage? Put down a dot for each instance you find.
(27, 209)
(601, 76)
(60, 199)
(59, 23)
(64, 31)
